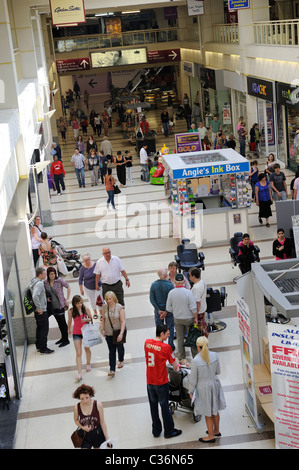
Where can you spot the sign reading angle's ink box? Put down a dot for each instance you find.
(209, 163)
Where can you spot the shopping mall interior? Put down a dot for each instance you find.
(194, 60)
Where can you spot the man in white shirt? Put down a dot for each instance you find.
(110, 269)
(144, 163)
(202, 132)
(199, 291)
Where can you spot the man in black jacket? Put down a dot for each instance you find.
(282, 246)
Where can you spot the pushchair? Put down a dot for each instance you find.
(71, 258)
(179, 398)
(180, 114)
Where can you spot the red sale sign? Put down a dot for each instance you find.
(72, 65)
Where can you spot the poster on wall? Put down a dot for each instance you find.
(118, 57)
(113, 25)
(226, 114)
(66, 13)
(247, 358)
(195, 7)
(284, 359)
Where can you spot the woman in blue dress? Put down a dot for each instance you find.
(263, 198)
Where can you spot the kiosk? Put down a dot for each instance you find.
(209, 195)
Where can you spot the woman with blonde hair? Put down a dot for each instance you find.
(113, 319)
(204, 383)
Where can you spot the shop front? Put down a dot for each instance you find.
(288, 105)
(264, 92)
(209, 195)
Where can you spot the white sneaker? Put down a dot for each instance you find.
(58, 194)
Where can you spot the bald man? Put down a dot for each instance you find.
(158, 297)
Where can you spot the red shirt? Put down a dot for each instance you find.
(157, 354)
(57, 168)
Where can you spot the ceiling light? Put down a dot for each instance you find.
(129, 12)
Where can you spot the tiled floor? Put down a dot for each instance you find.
(47, 402)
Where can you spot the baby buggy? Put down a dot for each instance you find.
(179, 398)
(180, 114)
(71, 258)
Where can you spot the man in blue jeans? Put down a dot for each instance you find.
(157, 353)
(158, 298)
(78, 161)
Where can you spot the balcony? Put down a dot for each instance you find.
(130, 38)
(226, 33)
(282, 33)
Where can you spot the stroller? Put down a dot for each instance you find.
(180, 114)
(71, 258)
(179, 398)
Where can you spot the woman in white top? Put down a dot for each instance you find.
(36, 240)
(209, 397)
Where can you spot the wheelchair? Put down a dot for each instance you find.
(234, 250)
(188, 257)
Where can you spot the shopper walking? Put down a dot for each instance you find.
(109, 185)
(282, 247)
(165, 122)
(129, 165)
(93, 166)
(80, 145)
(78, 162)
(62, 128)
(216, 127)
(103, 164)
(91, 144)
(57, 303)
(78, 316)
(199, 291)
(57, 172)
(157, 353)
(120, 163)
(87, 279)
(209, 396)
(242, 139)
(76, 127)
(89, 418)
(48, 252)
(113, 318)
(39, 298)
(35, 233)
(278, 184)
(263, 198)
(181, 303)
(158, 297)
(110, 269)
(144, 162)
(106, 148)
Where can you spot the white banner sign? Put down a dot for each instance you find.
(195, 7)
(67, 13)
(284, 361)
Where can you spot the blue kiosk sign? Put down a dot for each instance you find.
(238, 4)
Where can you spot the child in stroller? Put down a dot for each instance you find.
(71, 258)
(179, 398)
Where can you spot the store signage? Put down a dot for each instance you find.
(195, 7)
(188, 142)
(72, 65)
(287, 95)
(262, 89)
(67, 13)
(214, 170)
(284, 360)
(167, 55)
(188, 68)
(238, 4)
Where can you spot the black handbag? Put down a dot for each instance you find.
(116, 189)
(193, 334)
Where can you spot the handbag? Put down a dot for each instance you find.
(91, 335)
(193, 333)
(78, 437)
(116, 189)
(99, 301)
(116, 332)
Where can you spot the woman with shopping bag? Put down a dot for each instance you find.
(79, 315)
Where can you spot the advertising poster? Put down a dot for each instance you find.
(284, 360)
(226, 116)
(188, 142)
(66, 13)
(118, 57)
(247, 358)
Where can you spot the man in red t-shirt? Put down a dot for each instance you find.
(58, 172)
(157, 353)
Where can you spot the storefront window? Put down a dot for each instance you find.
(293, 137)
(266, 126)
(281, 142)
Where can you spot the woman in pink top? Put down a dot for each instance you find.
(79, 315)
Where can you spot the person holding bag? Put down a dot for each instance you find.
(109, 185)
(80, 315)
(113, 328)
(57, 303)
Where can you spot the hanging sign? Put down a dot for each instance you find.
(67, 13)
(284, 360)
(238, 4)
(195, 7)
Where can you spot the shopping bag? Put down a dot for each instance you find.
(91, 335)
(61, 266)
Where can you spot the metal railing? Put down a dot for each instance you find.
(284, 33)
(130, 38)
(226, 33)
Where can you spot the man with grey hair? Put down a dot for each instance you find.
(158, 297)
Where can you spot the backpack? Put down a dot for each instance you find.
(28, 302)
